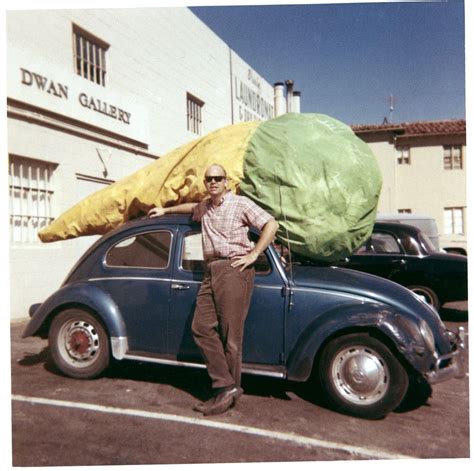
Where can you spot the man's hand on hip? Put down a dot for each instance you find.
(244, 261)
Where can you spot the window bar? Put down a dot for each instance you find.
(29, 204)
(48, 188)
(77, 53)
(12, 194)
(74, 49)
(20, 177)
(102, 55)
(84, 58)
(81, 55)
(195, 116)
(98, 64)
(91, 60)
(38, 170)
(199, 118)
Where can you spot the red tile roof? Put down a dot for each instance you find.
(452, 126)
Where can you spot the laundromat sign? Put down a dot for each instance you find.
(60, 91)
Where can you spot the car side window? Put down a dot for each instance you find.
(382, 243)
(148, 250)
(192, 258)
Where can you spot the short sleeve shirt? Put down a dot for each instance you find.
(225, 227)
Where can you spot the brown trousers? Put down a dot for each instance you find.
(218, 325)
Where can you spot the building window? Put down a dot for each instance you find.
(89, 55)
(194, 113)
(452, 157)
(403, 155)
(404, 211)
(454, 220)
(31, 190)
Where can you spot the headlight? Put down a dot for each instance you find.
(427, 335)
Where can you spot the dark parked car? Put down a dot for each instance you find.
(132, 296)
(405, 255)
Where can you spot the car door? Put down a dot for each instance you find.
(264, 327)
(137, 275)
(381, 255)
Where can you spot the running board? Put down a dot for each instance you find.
(247, 368)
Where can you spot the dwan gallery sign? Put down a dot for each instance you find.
(60, 91)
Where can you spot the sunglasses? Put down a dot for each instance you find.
(216, 178)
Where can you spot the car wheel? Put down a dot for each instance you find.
(361, 376)
(427, 294)
(79, 345)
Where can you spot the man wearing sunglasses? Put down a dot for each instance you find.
(224, 297)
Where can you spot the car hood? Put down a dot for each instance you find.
(362, 285)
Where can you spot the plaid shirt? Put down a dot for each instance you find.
(225, 227)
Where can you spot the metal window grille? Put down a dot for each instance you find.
(31, 190)
(89, 56)
(452, 158)
(454, 221)
(403, 155)
(194, 114)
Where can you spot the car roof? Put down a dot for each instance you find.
(145, 222)
(396, 227)
(162, 220)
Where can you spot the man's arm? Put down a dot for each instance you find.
(266, 237)
(185, 208)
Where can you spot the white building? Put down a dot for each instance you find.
(93, 95)
(423, 165)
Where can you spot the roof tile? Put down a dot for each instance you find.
(452, 126)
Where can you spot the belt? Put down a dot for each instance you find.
(216, 259)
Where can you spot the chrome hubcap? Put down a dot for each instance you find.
(80, 342)
(360, 375)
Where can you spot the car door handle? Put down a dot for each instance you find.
(179, 286)
(399, 261)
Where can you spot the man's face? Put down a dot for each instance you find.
(215, 181)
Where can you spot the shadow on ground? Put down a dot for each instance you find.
(454, 313)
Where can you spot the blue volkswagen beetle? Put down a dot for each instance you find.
(132, 296)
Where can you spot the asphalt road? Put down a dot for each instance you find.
(142, 414)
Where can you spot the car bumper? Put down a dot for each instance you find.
(451, 365)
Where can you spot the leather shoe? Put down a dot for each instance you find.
(201, 406)
(223, 401)
(204, 405)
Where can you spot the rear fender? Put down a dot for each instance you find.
(401, 331)
(81, 294)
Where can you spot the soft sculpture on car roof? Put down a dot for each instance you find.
(310, 171)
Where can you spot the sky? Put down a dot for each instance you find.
(348, 59)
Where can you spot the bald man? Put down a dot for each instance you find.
(224, 297)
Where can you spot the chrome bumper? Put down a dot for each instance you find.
(456, 361)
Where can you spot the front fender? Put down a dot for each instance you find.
(79, 294)
(403, 332)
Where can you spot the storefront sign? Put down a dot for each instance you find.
(61, 91)
(252, 105)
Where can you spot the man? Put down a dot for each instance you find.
(224, 297)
